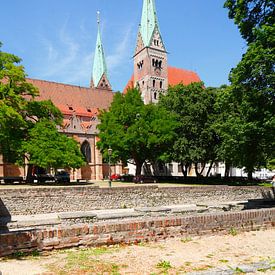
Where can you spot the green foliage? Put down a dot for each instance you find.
(47, 148)
(233, 231)
(134, 130)
(164, 265)
(249, 128)
(28, 127)
(196, 140)
(250, 15)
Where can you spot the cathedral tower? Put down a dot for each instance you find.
(150, 59)
(100, 76)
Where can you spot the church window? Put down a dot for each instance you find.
(153, 62)
(160, 84)
(86, 151)
(154, 83)
(71, 108)
(89, 110)
(155, 95)
(160, 63)
(143, 83)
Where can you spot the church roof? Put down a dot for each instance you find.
(72, 99)
(99, 67)
(175, 76)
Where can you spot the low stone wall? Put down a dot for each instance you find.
(28, 201)
(134, 231)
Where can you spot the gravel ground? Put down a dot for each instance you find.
(211, 255)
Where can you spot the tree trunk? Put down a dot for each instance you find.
(199, 173)
(184, 168)
(226, 172)
(249, 175)
(29, 178)
(138, 167)
(209, 169)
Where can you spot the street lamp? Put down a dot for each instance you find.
(109, 154)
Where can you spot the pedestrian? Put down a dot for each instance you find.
(273, 181)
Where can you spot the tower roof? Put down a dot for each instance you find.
(149, 21)
(99, 67)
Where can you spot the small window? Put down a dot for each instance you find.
(89, 110)
(155, 95)
(154, 83)
(153, 62)
(179, 168)
(143, 83)
(71, 108)
(160, 63)
(160, 84)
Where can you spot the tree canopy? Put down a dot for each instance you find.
(21, 116)
(251, 95)
(195, 140)
(48, 148)
(135, 131)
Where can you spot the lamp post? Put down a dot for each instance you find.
(110, 153)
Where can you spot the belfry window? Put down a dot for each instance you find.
(160, 84)
(154, 83)
(153, 62)
(140, 64)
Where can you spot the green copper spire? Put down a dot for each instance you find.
(100, 66)
(148, 21)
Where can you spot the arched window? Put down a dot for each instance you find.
(160, 84)
(154, 83)
(153, 62)
(160, 62)
(86, 151)
(155, 95)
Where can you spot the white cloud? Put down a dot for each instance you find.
(122, 50)
(65, 60)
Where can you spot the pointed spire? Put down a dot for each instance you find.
(149, 21)
(99, 67)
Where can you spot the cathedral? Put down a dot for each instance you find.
(80, 105)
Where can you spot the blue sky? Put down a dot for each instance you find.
(56, 38)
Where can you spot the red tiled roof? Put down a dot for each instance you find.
(72, 99)
(175, 76)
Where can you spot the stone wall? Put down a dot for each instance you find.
(69, 199)
(134, 231)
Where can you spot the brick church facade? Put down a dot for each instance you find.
(80, 105)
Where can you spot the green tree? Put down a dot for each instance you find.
(252, 85)
(21, 116)
(135, 131)
(47, 148)
(249, 15)
(196, 140)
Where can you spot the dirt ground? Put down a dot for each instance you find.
(173, 256)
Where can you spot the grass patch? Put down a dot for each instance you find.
(202, 268)
(164, 265)
(85, 261)
(237, 270)
(186, 240)
(223, 261)
(233, 231)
